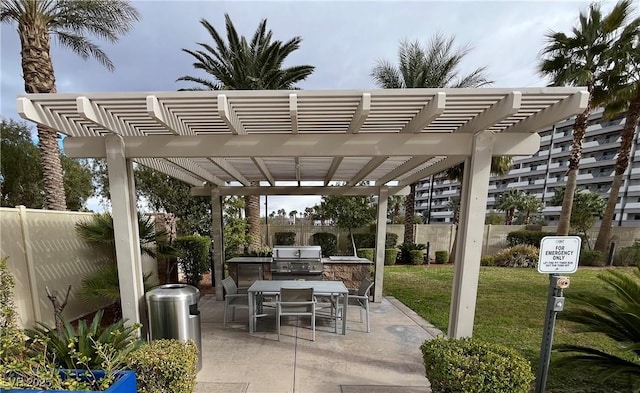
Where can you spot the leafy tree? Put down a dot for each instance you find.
(587, 208)
(529, 207)
(21, 177)
(396, 202)
(235, 226)
(580, 59)
(70, 22)
(350, 212)
(242, 65)
(494, 218)
(435, 65)
(623, 80)
(509, 202)
(615, 315)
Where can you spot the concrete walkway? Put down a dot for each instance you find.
(386, 360)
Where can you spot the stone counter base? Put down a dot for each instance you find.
(350, 274)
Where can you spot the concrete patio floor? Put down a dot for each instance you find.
(388, 359)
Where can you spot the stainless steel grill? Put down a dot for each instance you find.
(297, 260)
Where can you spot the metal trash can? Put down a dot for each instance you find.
(173, 314)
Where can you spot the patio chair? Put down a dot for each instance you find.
(360, 299)
(296, 302)
(233, 299)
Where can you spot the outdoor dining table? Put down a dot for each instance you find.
(272, 288)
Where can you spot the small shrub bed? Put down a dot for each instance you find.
(591, 258)
(416, 257)
(522, 255)
(165, 366)
(285, 238)
(442, 257)
(472, 366)
(328, 242)
(390, 256)
(628, 256)
(531, 238)
(405, 251)
(366, 253)
(487, 260)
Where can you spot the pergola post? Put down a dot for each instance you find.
(381, 231)
(125, 228)
(473, 206)
(217, 240)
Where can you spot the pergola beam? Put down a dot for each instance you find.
(503, 109)
(366, 170)
(229, 169)
(87, 110)
(335, 164)
(291, 190)
(361, 114)
(229, 116)
(160, 114)
(293, 112)
(412, 163)
(568, 107)
(298, 176)
(196, 170)
(262, 167)
(302, 145)
(427, 114)
(431, 170)
(171, 170)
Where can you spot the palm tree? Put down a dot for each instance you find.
(615, 315)
(243, 65)
(395, 205)
(529, 206)
(436, 65)
(624, 82)
(509, 202)
(580, 59)
(70, 22)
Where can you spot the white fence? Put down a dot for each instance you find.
(43, 250)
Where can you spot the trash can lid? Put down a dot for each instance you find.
(174, 293)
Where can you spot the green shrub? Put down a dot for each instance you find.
(390, 256)
(285, 238)
(522, 255)
(487, 260)
(367, 253)
(442, 257)
(67, 348)
(328, 242)
(11, 338)
(591, 258)
(416, 257)
(532, 238)
(471, 366)
(194, 257)
(405, 251)
(165, 366)
(628, 256)
(391, 240)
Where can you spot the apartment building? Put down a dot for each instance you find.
(542, 172)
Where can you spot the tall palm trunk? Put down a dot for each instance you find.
(579, 129)
(622, 162)
(409, 213)
(252, 212)
(38, 75)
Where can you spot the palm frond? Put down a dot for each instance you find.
(84, 48)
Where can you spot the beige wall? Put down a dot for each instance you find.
(43, 250)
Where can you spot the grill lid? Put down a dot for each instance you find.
(297, 252)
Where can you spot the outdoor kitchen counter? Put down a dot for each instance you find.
(348, 269)
(235, 266)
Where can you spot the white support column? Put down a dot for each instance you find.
(218, 241)
(133, 209)
(125, 227)
(381, 231)
(473, 206)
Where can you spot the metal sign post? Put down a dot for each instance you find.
(558, 254)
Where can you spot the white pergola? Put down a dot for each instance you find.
(250, 142)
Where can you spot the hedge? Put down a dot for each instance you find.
(285, 238)
(416, 257)
(368, 240)
(591, 258)
(390, 256)
(472, 366)
(522, 255)
(366, 253)
(532, 238)
(165, 366)
(328, 242)
(442, 257)
(194, 258)
(628, 256)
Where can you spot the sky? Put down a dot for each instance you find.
(342, 39)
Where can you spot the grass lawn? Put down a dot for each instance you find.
(510, 311)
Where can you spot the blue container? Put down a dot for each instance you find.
(125, 383)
